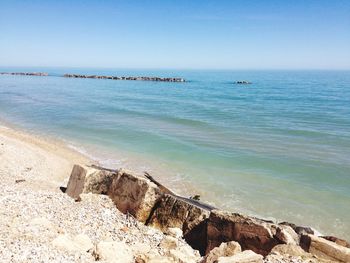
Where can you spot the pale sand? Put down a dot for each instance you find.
(43, 163)
(39, 223)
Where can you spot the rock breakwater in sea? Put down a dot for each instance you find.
(219, 236)
(140, 78)
(25, 73)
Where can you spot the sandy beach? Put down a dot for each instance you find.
(39, 223)
(42, 163)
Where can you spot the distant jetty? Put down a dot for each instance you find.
(25, 73)
(242, 82)
(97, 76)
(124, 78)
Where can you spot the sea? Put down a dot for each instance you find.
(278, 148)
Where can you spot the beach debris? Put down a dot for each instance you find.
(19, 181)
(28, 169)
(161, 186)
(195, 197)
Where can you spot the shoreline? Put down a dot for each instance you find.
(43, 165)
(81, 155)
(40, 223)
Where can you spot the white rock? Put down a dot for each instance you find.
(174, 232)
(114, 252)
(169, 243)
(81, 243)
(224, 250)
(246, 256)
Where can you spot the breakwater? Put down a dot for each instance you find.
(25, 73)
(140, 78)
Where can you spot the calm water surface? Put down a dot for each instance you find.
(278, 148)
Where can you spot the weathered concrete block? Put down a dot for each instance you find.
(84, 179)
(337, 240)
(287, 235)
(325, 249)
(251, 233)
(133, 194)
(76, 181)
(173, 212)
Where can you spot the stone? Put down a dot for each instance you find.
(173, 212)
(337, 240)
(224, 250)
(251, 233)
(89, 180)
(113, 252)
(184, 255)
(247, 256)
(291, 250)
(98, 181)
(197, 237)
(178, 251)
(153, 257)
(287, 235)
(169, 243)
(300, 230)
(76, 181)
(325, 249)
(133, 194)
(174, 232)
(81, 242)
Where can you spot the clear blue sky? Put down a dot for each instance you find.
(217, 34)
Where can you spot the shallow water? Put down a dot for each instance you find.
(278, 148)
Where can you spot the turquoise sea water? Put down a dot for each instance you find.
(278, 148)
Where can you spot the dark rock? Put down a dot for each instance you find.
(25, 73)
(171, 211)
(300, 230)
(251, 233)
(125, 78)
(76, 182)
(242, 82)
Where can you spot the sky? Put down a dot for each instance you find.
(203, 34)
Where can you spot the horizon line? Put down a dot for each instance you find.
(184, 68)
